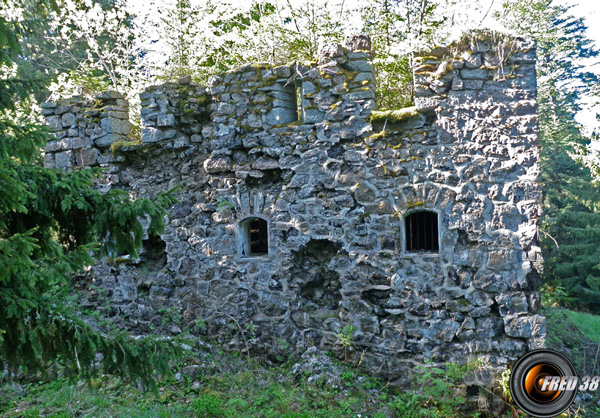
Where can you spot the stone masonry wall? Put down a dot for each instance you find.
(300, 147)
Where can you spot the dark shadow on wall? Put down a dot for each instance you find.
(319, 285)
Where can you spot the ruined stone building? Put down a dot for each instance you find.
(302, 210)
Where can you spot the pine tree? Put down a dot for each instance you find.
(571, 221)
(51, 224)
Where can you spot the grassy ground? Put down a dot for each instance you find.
(577, 336)
(214, 384)
(228, 387)
(586, 323)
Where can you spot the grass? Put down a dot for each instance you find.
(577, 336)
(229, 386)
(588, 324)
(225, 385)
(232, 387)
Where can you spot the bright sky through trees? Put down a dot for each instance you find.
(466, 18)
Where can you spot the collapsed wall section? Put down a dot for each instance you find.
(299, 216)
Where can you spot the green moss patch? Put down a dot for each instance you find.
(117, 145)
(393, 116)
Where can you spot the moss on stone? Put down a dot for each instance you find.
(425, 68)
(348, 73)
(393, 116)
(117, 145)
(423, 58)
(378, 135)
(415, 204)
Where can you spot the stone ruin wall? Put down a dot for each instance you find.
(334, 189)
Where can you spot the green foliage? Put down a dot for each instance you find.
(208, 406)
(225, 206)
(207, 38)
(398, 29)
(437, 392)
(170, 315)
(571, 221)
(588, 324)
(232, 387)
(51, 224)
(505, 384)
(346, 335)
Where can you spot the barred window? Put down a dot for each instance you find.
(421, 229)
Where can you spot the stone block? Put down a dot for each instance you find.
(48, 105)
(282, 71)
(331, 50)
(253, 120)
(63, 159)
(280, 116)
(479, 74)
(105, 141)
(48, 160)
(472, 60)
(360, 42)
(68, 120)
(512, 303)
(525, 326)
(52, 146)
(225, 109)
(181, 142)
(443, 330)
(359, 95)
(358, 55)
(312, 115)
(54, 122)
(427, 104)
(473, 84)
(360, 65)
(81, 142)
(264, 163)
(115, 126)
(109, 94)
(87, 157)
(165, 120)
(115, 114)
(62, 109)
(308, 88)
(217, 164)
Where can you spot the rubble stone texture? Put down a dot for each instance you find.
(300, 147)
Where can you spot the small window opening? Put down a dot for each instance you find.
(299, 102)
(284, 103)
(422, 232)
(254, 237)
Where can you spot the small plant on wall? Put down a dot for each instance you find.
(346, 335)
(225, 207)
